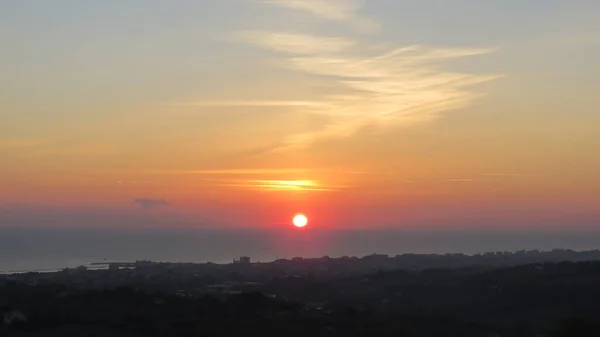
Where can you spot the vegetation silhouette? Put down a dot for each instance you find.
(551, 299)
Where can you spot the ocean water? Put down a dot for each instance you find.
(43, 249)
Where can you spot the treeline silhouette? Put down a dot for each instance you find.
(552, 299)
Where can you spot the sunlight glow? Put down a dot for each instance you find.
(289, 185)
(300, 220)
(284, 185)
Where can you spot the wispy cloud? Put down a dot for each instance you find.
(294, 43)
(462, 180)
(372, 86)
(283, 185)
(257, 103)
(499, 174)
(239, 171)
(335, 10)
(401, 86)
(152, 203)
(12, 143)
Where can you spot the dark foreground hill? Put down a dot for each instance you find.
(550, 299)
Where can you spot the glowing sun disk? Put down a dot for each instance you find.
(300, 221)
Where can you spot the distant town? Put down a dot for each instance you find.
(192, 279)
(513, 294)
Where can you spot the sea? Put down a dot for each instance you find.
(29, 249)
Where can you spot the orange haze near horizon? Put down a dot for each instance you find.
(359, 114)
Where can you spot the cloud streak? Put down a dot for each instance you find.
(12, 143)
(402, 86)
(257, 103)
(283, 185)
(148, 204)
(398, 86)
(345, 11)
(497, 174)
(262, 171)
(294, 43)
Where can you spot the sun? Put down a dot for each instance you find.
(300, 220)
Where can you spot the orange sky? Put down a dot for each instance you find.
(342, 110)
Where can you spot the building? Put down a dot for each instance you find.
(243, 260)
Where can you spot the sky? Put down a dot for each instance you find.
(242, 113)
